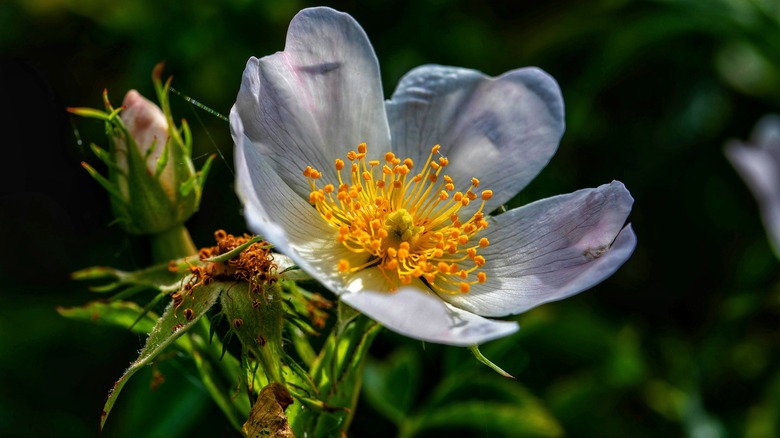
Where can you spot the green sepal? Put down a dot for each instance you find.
(187, 136)
(162, 161)
(89, 113)
(480, 357)
(105, 157)
(106, 102)
(256, 317)
(111, 188)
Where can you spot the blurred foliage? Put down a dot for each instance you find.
(682, 341)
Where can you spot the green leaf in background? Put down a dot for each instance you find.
(173, 323)
(391, 385)
(116, 313)
(490, 404)
(490, 419)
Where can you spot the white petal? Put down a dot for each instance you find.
(766, 134)
(551, 249)
(315, 101)
(759, 166)
(416, 313)
(501, 130)
(283, 218)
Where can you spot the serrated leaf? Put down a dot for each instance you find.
(116, 313)
(391, 385)
(168, 328)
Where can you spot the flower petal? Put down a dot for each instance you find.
(148, 126)
(501, 130)
(274, 211)
(418, 314)
(551, 249)
(315, 101)
(759, 166)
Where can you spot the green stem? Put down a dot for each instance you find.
(173, 243)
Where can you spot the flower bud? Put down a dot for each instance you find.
(151, 178)
(148, 127)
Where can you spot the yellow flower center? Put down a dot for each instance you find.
(407, 226)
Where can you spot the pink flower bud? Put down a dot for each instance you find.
(148, 126)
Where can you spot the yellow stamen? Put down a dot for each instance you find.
(405, 224)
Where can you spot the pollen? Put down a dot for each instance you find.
(405, 218)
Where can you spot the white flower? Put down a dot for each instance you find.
(758, 162)
(420, 256)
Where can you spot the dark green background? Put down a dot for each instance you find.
(683, 340)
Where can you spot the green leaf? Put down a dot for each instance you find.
(157, 277)
(470, 396)
(491, 418)
(116, 313)
(173, 323)
(391, 385)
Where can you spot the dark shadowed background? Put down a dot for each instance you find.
(683, 340)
